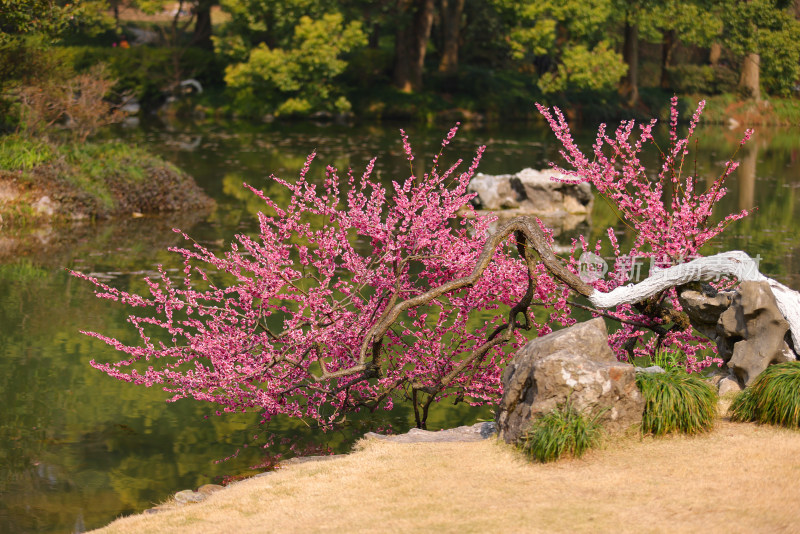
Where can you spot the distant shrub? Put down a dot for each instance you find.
(79, 100)
(564, 431)
(676, 401)
(773, 398)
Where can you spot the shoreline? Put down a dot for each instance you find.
(634, 483)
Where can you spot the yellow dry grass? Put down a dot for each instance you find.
(738, 478)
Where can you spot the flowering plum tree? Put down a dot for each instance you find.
(353, 297)
(308, 325)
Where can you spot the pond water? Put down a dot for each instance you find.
(78, 449)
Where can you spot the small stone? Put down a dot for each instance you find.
(728, 384)
(208, 489)
(44, 206)
(651, 369)
(157, 509)
(187, 496)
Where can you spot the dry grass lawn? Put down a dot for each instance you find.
(738, 478)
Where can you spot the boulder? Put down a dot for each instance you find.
(561, 206)
(749, 329)
(574, 364)
(757, 331)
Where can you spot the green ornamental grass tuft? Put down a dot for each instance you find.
(676, 401)
(564, 431)
(773, 398)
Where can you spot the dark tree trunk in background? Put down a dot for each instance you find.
(667, 47)
(415, 18)
(450, 13)
(714, 54)
(202, 27)
(630, 54)
(749, 82)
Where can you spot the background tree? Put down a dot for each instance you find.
(414, 20)
(766, 38)
(451, 13)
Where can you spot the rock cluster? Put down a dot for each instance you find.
(575, 365)
(561, 206)
(747, 326)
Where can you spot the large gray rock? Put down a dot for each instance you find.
(747, 326)
(758, 332)
(576, 364)
(561, 206)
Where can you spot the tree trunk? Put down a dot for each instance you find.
(714, 54)
(202, 28)
(451, 11)
(413, 31)
(667, 46)
(749, 83)
(630, 54)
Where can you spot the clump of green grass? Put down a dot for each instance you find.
(669, 360)
(773, 398)
(564, 431)
(18, 153)
(676, 401)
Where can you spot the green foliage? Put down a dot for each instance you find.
(18, 153)
(254, 21)
(582, 69)
(564, 431)
(773, 398)
(300, 78)
(534, 25)
(18, 17)
(676, 401)
(695, 22)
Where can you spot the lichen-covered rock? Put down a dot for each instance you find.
(574, 364)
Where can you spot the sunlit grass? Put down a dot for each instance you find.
(563, 432)
(676, 401)
(773, 398)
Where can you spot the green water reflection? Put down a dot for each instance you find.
(78, 449)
